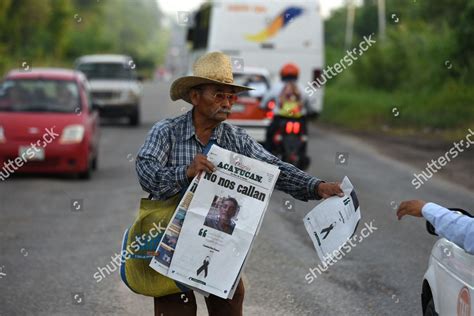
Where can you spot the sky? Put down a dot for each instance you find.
(172, 6)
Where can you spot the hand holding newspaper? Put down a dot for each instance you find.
(218, 224)
(332, 222)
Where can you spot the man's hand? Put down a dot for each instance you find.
(412, 208)
(200, 163)
(326, 190)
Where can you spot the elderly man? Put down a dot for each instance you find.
(173, 154)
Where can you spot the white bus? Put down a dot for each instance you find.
(263, 33)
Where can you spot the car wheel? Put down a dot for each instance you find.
(135, 117)
(430, 309)
(95, 162)
(87, 175)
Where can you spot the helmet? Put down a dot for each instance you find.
(289, 70)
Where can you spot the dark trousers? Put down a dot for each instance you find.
(184, 304)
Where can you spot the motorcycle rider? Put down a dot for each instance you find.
(288, 102)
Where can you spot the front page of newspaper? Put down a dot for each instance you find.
(221, 222)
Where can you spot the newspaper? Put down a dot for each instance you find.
(164, 253)
(332, 222)
(221, 222)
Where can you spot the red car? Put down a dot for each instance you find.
(47, 124)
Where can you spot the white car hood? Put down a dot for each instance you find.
(115, 85)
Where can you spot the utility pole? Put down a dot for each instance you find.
(382, 21)
(349, 24)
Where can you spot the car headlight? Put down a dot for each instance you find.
(2, 135)
(129, 95)
(72, 134)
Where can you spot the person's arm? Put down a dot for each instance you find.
(292, 180)
(154, 176)
(455, 227)
(306, 101)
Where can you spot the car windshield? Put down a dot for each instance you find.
(114, 71)
(34, 95)
(258, 82)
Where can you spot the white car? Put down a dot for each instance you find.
(448, 284)
(115, 88)
(247, 112)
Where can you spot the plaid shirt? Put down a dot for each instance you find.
(172, 144)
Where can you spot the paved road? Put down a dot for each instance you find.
(49, 253)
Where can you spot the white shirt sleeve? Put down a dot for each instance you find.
(455, 227)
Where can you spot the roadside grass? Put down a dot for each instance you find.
(446, 113)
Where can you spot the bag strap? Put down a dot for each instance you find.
(205, 151)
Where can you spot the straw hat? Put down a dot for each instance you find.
(214, 67)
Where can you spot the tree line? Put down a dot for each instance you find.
(424, 67)
(56, 32)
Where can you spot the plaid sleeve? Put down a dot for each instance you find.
(292, 180)
(154, 176)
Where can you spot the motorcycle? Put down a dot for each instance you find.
(289, 142)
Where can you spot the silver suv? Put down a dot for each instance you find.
(115, 89)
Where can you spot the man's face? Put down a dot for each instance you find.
(227, 210)
(212, 104)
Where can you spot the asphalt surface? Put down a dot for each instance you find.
(50, 248)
